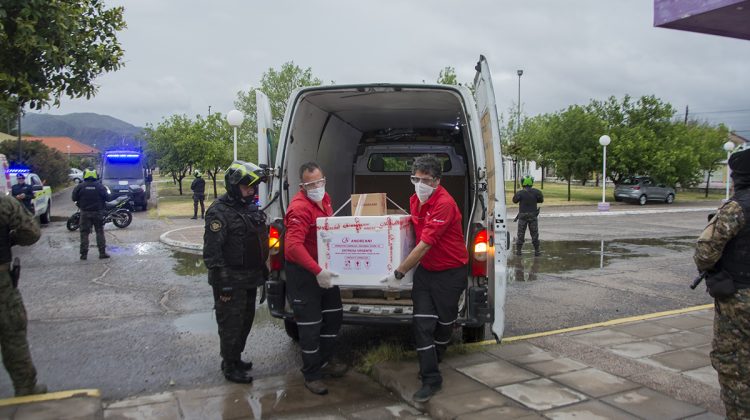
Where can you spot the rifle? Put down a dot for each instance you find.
(701, 276)
(15, 272)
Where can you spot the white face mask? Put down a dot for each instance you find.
(423, 191)
(317, 194)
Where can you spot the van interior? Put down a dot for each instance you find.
(365, 139)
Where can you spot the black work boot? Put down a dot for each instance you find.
(84, 256)
(518, 249)
(333, 369)
(35, 390)
(316, 387)
(426, 392)
(246, 366)
(195, 216)
(103, 255)
(537, 252)
(233, 372)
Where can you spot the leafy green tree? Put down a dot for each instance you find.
(51, 48)
(536, 142)
(176, 146)
(447, 76)
(277, 85)
(215, 139)
(51, 165)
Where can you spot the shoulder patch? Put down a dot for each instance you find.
(215, 225)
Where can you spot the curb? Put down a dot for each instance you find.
(51, 396)
(619, 213)
(180, 244)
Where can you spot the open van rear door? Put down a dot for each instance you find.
(265, 143)
(497, 230)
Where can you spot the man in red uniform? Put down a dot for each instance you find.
(316, 302)
(440, 278)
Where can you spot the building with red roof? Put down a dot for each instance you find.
(66, 145)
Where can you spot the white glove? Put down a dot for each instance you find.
(390, 281)
(325, 278)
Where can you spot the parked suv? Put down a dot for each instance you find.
(365, 137)
(642, 189)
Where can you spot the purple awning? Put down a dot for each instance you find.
(718, 17)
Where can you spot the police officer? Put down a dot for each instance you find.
(198, 186)
(17, 227)
(316, 302)
(723, 250)
(528, 213)
(235, 250)
(91, 197)
(440, 278)
(23, 192)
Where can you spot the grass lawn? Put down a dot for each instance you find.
(557, 194)
(172, 204)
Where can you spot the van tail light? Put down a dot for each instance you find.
(479, 254)
(274, 247)
(637, 187)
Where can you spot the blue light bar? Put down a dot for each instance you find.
(18, 171)
(129, 157)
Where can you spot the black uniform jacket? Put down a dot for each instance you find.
(90, 195)
(198, 186)
(235, 243)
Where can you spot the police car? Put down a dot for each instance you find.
(42, 194)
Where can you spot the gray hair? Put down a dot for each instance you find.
(308, 167)
(428, 164)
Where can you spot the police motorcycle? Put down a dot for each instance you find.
(117, 211)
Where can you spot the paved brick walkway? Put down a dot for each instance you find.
(651, 369)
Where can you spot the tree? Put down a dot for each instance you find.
(447, 76)
(216, 155)
(53, 48)
(277, 85)
(51, 165)
(176, 146)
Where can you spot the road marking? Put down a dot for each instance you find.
(52, 396)
(598, 324)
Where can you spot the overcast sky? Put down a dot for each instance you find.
(183, 55)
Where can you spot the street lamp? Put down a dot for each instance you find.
(518, 128)
(728, 146)
(604, 141)
(68, 152)
(235, 118)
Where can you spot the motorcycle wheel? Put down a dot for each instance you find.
(74, 222)
(122, 218)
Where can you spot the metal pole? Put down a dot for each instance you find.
(729, 172)
(604, 175)
(18, 132)
(235, 143)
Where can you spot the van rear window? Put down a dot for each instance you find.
(401, 162)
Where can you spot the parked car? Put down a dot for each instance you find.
(642, 189)
(75, 175)
(42, 196)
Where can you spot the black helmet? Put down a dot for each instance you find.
(90, 173)
(242, 173)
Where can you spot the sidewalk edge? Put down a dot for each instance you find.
(51, 396)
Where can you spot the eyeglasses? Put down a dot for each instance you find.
(313, 184)
(416, 180)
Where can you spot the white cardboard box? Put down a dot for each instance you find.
(364, 249)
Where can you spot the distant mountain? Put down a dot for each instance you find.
(89, 128)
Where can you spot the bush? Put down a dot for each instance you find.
(51, 165)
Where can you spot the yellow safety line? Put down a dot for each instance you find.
(60, 395)
(599, 324)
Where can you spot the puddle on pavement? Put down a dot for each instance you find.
(202, 323)
(188, 264)
(561, 256)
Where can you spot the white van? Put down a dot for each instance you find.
(5, 186)
(365, 137)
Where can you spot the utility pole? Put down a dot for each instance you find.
(686, 114)
(209, 110)
(18, 132)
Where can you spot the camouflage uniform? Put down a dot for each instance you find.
(731, 344)
(16, 228)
